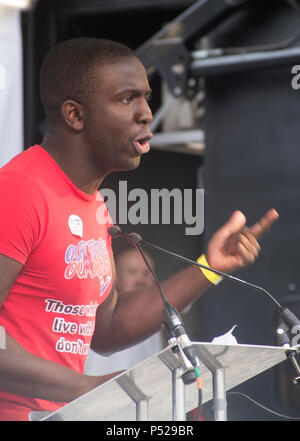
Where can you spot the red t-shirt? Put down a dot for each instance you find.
(59, 234)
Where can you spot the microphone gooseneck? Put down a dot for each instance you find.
(173, 322)
(287, 316)
(220, 273)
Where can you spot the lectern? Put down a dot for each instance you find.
(154, 390)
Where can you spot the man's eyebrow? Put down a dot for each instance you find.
(137, 92)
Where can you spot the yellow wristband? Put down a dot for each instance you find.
(212, 277)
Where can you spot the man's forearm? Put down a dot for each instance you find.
(24, 374)
(139, 314)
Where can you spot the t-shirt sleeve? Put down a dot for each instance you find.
(20, 215)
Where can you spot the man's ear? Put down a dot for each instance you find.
(72, 114)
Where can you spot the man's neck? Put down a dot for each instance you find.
(68, 156)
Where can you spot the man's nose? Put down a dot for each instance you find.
(142, 281)
(144, 112)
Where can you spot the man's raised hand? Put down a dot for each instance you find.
(234, 245)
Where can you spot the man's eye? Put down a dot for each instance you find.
(127, 99)
(148, 97)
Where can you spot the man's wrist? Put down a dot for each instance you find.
(214, 278)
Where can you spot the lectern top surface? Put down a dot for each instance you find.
(153, 377)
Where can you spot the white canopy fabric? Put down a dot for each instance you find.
(11, 84)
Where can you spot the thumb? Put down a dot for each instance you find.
(224, 240)
(235, 223)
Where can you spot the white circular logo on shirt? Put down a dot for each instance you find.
(76, 225)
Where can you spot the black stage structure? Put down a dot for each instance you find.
(241, 54)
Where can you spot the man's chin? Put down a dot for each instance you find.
(127, 164)
(132, 164)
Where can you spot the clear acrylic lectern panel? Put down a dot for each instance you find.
(146, 391)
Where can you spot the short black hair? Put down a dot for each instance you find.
(68, 71)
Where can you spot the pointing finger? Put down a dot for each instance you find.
(264, 224)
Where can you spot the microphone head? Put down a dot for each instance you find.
(135, 236)
(114, 231)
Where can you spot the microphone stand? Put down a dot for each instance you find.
(173, 324)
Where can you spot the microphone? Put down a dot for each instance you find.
(173, 322)
(289, 319)
(282, 336)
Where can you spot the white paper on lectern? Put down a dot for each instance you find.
(226, 339)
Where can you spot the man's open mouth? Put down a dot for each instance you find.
(142, 145)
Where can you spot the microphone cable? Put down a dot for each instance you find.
(256, 403)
